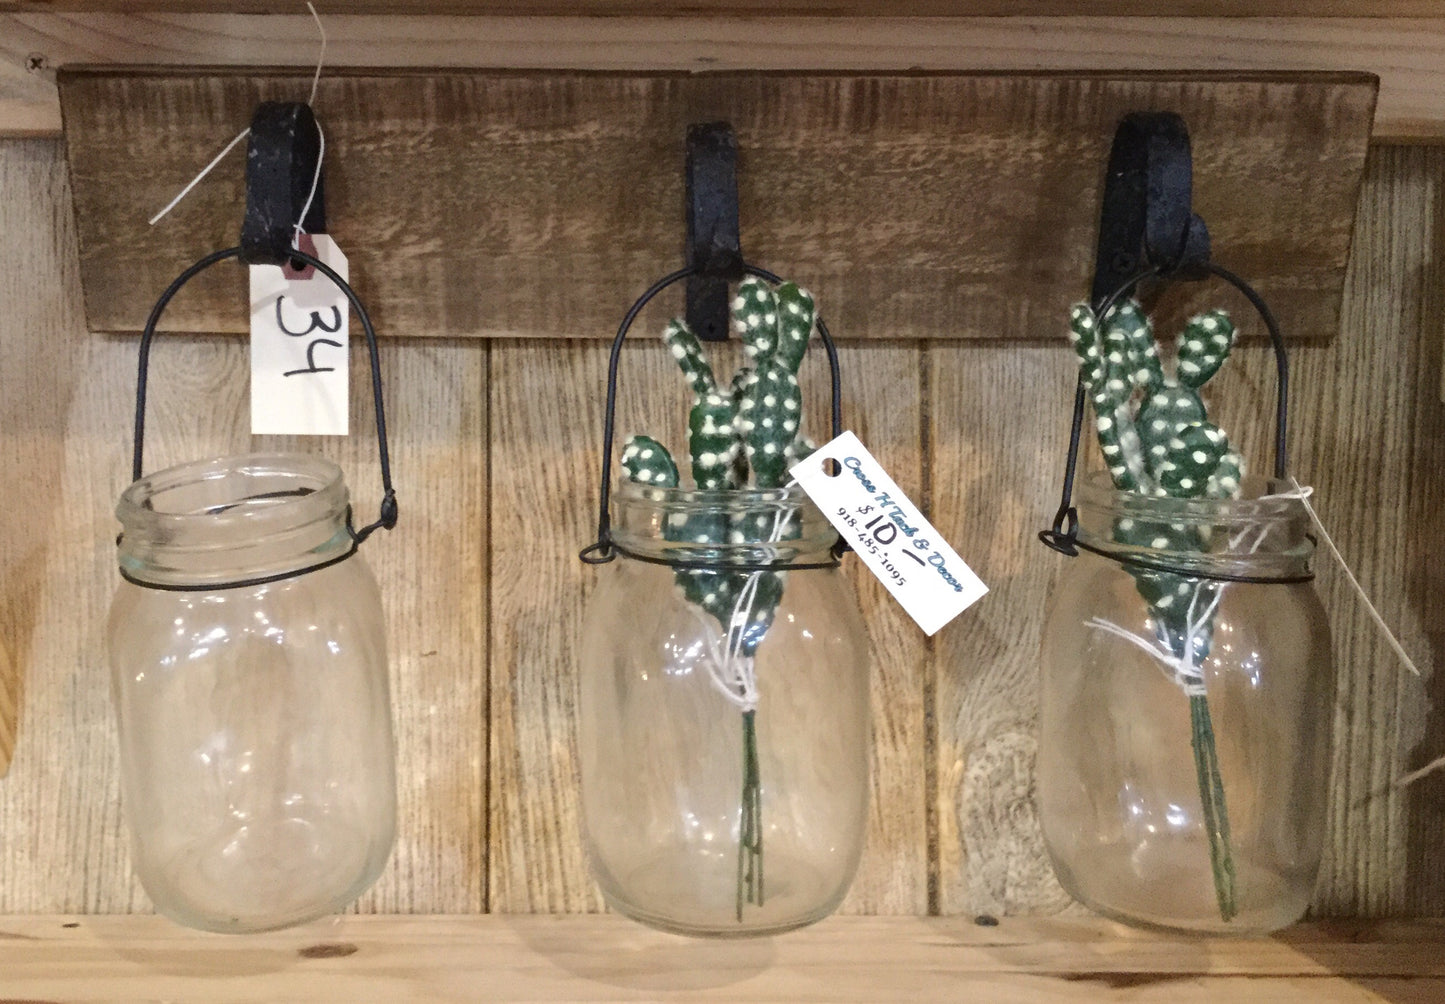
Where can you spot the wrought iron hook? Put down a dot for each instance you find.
(282, 157)
(714, 250)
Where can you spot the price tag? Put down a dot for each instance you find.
(889, 534)
(299, 325)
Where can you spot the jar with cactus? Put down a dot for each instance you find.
(1187, 684)
(723, 704)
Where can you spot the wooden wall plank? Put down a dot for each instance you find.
(1403, 52)
(1376, 474)
(33, 392)
(547, 401)
(1424, 583)
(1366, 433)
(883, 401)
(997, 439)
(60, 842)
(68, 400)
(952, 206)
(433, 570)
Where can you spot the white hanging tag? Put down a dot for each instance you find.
(299, 346)
(889, 534)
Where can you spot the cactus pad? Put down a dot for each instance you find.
(647, 462)
(686, 349)
(1203, 347)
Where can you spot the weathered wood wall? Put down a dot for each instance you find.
(483, 589)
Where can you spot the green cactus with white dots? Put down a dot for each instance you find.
(747, 430)
(1157, 440)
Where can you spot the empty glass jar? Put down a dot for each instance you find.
(724, 719)
(1185, 724)
(258, 776)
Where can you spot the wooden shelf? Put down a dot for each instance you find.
(596, 958)
(768, 8)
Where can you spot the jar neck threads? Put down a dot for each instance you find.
(217, 522)
(1264, 535)
(771, 527)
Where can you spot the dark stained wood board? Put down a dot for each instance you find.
(486, 204)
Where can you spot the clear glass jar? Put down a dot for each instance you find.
(258, 773)
(1184, 752)
(723, 793)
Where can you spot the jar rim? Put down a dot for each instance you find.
(1264, 534)
(233, 520)
(645, 513)
(320, 484)
(630, 490)
(1097, 490)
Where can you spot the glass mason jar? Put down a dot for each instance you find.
(258, 775)
(1184, 750)
(724, 771)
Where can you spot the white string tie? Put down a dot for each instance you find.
(316, 179)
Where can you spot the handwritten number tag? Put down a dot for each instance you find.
(299, 347)
(867, 508)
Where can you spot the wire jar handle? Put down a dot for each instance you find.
(388, 514)
(604, 549)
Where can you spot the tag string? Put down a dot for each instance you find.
(1379, 620)
(197, 179)
(320, 56)
(315, 181)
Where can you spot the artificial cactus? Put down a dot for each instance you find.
(1156, 440)
(712, 442)
(768, 414)
(688, 352)
(648, 462)
(750, 429)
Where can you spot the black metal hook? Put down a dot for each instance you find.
(714, 249)
(282, 157)
(1147, 230)
(1146, 220)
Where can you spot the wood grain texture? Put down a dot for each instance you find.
(9, 708)
(547, 401)
(610, 959)
(68, 403)
(59, 782)
(762, 8)
(997, 438)
(1385, 461)
(883, 401)
(1425, 577)
(920, 206)
(1403, 52)
(1366, 433)
(33, 394)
